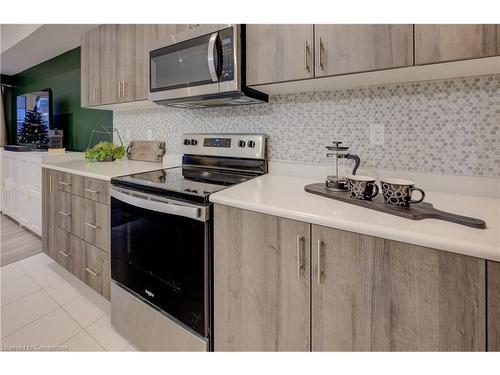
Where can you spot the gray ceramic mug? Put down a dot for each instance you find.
(361, 187)
(398, 192)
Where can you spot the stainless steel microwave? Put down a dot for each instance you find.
(201, 67)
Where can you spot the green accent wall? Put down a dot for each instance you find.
(62, 75)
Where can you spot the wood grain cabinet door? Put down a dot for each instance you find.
(439, 43)
(277, 53)
(493, 306)
(164, 32)
(90, 68)
(343, 49)
(144, 36)
(125, 63)
(381, 295)
(108, 60)
(261, 282)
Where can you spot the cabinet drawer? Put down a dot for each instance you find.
(97, 270)
(94, 226)
(70, 183)
(70, 252)
(84, 218)
(65, 212)
(96, 190)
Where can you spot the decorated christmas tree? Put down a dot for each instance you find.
(34, 129)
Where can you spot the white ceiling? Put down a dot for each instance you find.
(24, 46)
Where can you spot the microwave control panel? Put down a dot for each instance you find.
(227, 42)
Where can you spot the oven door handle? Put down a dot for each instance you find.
(178, 209)
(212, 57)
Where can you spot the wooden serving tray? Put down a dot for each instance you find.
(417, 211)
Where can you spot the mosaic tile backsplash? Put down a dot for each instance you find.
(447, 127)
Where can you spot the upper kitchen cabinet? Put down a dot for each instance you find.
(90, 69)
(134, 42)
(343, 49)
(277, 53)
(114, 63)
(440, 43)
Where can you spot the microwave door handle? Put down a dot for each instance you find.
(212, 58)
(163, 207)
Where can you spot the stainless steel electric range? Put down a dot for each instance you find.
(161, 241)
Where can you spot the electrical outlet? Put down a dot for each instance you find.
(149, 135)
(377, 134)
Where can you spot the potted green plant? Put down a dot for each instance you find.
(105, 151)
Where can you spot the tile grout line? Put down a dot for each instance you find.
(33, 321)
(93, 338)
(58, 306)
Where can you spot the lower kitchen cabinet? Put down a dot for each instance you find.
(342, 291)
(382, 295)
(493, 273)
(76, 226)
(261, 282)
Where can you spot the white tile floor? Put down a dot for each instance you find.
(43, 304)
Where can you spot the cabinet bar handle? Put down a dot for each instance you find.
(91, 271)
(306, 57)
(300, 262)
(65, 213)
(124, 89)
(64, 183)
(93, 226)
(119, 89)
(320, 271)
(65, 254)
(91, 191)
(321, 52)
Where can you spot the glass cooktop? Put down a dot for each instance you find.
(194, 181)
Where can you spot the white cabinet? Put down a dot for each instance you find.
(21, 189)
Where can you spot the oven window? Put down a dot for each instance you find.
(181, 65)
(162, 258)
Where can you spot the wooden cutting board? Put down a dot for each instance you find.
(417, 211)
(146, 151)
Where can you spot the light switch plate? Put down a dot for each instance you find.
(377, 134)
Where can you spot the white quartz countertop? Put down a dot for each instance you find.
(103, 170)
(285, 196)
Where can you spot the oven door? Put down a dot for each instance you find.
(160, 250)
(188, 68)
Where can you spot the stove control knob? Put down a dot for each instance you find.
(241, 143)
(194, 142)
(187, 142)
(251, 144)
